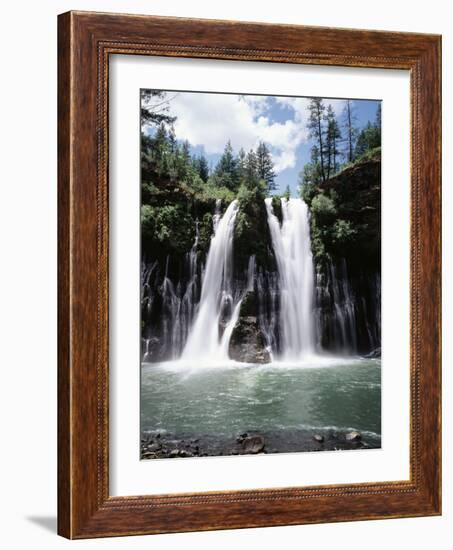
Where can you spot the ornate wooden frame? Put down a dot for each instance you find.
(85, 41)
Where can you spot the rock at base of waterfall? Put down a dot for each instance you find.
(152, 351)
(247, 342)
(253, 444)
(375, 354)
(353, 436)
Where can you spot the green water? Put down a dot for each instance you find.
(231, 399)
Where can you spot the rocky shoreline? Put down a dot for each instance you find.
(158, 444)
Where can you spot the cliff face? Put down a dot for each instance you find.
(346, 243)
(177, 226)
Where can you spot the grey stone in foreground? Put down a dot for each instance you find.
(185, 445)
(253, 444)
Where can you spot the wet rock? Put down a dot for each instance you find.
(174, 453)
(319, 438)
(185, 454)
(148, 454)
(253, 444)
(152, 350)
(375, 354)
(247, 342)
(353, 436)
(241, 437)
(154, 447)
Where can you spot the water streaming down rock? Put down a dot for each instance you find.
(287, 308)
(217, 302)
(268, 302)
(292, 249)
(348, 308)
(176, 306)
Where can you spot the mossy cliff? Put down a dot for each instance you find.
(346, 244)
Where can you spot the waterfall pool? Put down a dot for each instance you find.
(286, 403)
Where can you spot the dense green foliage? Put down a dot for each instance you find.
(345, 213)
(180, 191)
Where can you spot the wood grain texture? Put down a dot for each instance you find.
(86, 40)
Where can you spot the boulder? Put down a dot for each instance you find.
(247, 342)
(253, 444)
(375, 354)
(353, 436)
(154, 447)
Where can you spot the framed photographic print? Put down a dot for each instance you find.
(249, 275)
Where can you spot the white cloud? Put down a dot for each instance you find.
(210, 120)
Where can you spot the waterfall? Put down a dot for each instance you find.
(217, 305)
(292, 248)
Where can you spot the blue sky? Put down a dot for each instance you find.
(208, 120)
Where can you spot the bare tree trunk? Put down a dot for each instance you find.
(321, 148)
(351, 153)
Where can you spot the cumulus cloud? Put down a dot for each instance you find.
(209, 120)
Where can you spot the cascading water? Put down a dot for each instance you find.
(217, 302)
(292, 249)
(195, 322)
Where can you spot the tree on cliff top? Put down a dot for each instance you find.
(154, 108)
(316, 132)
(226, 171)
(265, 166)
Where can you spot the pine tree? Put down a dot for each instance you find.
(378, 121)
(241, 164)
(251, 169)
(311, 173)
(202, 168)
(369, 138)
(287, 193)
(350, 129)
(265, 166)
(154, 108)
(333, 136)
(317, 108)
(226, 173)
(379, 116)
(159, 150)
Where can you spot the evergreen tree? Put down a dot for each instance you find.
(154, 108)
(202, 168)
(287, 193)
(226, 173)
(369, 138)
(265, 166)
(333, 137)
(159, 150)
(311, 173)
(172, 139)
(350, 130)
(378, 121)
(241, 164)
(316, 109)
(251, 169)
